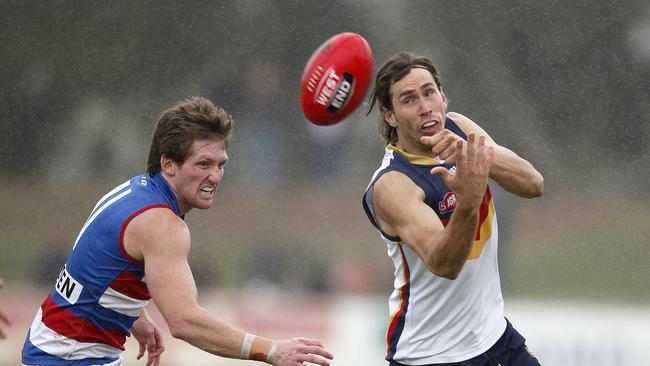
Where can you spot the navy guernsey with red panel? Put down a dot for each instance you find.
(433, 319)
(437, 195)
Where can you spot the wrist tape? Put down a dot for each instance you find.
(246, 346)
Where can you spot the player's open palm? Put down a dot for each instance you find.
(295, 351)
(473, 162)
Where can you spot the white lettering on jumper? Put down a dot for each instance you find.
(68, 287)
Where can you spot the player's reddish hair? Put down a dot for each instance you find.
(391, 72)
(178, 127)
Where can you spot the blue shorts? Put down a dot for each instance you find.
(510, 350)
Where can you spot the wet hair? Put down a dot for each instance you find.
(178, 127)
(391, 72)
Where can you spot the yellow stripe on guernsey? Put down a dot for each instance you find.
(416, 159)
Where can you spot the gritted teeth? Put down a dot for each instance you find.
(207, 189)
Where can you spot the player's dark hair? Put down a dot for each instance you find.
(179, 126)
(391, 72)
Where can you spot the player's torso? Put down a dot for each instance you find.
(100, 290)
(433, 319)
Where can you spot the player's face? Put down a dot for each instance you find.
(195, 182)
(419, 109)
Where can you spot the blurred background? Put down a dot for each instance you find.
(287, 249)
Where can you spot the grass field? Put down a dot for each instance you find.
(560, 247)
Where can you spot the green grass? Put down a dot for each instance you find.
(563, 247)
(604, 257)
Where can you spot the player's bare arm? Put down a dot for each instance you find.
(513, 173)
(162, 240)
(401, 210)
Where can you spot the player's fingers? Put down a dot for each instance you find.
(471, 137)
(433, 139)
(143, 348)
(2, 334)
(153, 360)
(315, 360)
(471, 147)
(480, 149)
(4, 318)
(314, 350)
(448, 153)
(444, 173)
(160, 344)
(441, 146)
(156, 351)
(448, 139)
(459, 154)
(485, 154)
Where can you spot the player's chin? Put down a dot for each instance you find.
(431, 130)
(203, 203)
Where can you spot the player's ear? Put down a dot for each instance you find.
(389, 116)
(444, 98)
(167, 165)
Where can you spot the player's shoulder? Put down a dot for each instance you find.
(395, 186)
(467, 125)
(461, 120)
(159, 221)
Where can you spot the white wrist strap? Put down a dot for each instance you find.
(246, 346)
(274, 347)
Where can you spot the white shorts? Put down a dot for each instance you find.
(117, 362)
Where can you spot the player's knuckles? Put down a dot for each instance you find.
(315, 350)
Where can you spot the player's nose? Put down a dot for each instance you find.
(425, 108)
(215, 175)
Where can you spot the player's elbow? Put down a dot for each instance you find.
(180, 327)
(536, 186)
(443, 264)
(449, 271)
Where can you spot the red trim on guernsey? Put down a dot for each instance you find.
(126, 222)
(483, 212)
(71, 326)
(131, 286)
(397, 323)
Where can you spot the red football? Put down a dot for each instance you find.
(335, 79)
